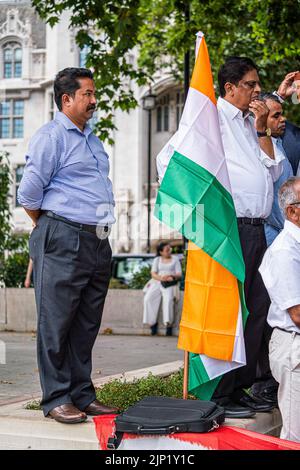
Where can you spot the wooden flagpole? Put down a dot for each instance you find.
(185, 375)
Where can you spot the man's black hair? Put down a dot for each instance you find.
(233, 70)
(66, 81)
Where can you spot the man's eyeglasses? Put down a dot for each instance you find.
(251, 84)
(294, 203)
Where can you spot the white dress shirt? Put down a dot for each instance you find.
(280, 270)
(251, 171)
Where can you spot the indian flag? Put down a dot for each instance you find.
(195, 199)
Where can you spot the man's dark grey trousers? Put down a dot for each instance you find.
(71, 270)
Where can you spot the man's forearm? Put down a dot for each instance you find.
(34, 214)
(266, 145)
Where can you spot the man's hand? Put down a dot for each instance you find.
(261, 112)
(286, 87)
(34, 215)
(295, 314)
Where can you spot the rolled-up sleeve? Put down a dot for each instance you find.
(281, 273)
(273, 165)
(41, 164)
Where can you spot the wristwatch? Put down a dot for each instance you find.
(267, 133)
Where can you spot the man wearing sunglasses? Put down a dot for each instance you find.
(253, 164)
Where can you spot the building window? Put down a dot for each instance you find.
(162, 114)
(18, 176)
(83, 56)
(179, 106)
(11, 119)
(12, 60)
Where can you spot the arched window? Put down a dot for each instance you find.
(12, 60)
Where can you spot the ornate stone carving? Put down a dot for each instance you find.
(13, 26)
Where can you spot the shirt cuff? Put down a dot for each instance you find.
(289, 303)
(281, 100)
(29, 204)
(268, 161)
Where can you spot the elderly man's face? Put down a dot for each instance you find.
(276, 120)
(247, 90)
(293, 210)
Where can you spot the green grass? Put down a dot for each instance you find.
(123, 394)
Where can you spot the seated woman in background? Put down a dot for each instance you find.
(166, 273)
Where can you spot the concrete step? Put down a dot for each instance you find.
(25, 429)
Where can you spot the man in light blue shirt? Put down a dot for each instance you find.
(276, 122)
(68, 195)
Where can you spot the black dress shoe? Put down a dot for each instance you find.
(255, 404)
(169, 331)
(232, 410)
(153, 329)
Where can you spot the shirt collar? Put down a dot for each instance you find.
(230, 110)
(293, 229)
(68, 124)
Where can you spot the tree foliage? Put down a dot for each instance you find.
(265, 30)
(5, 182)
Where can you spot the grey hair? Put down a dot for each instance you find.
(287, 193)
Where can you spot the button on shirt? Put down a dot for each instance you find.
(251, 171)
(66, 172)
(280, 270)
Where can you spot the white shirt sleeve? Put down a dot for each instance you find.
(274, 165)
(281, 274)
(155, 265)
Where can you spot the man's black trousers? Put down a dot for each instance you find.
(71, 276)
(253, 243)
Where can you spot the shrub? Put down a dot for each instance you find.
(140, 278)
(124, 394)
(14, 270)
(116, 284)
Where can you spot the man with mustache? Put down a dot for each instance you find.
(253, 164)
(277, 123)
(68, 195)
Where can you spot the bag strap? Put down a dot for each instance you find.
(114, 441)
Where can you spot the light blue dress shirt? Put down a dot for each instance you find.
(275, 221)
(66, 172)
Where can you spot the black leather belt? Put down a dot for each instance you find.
(250, 221)
(85, 227)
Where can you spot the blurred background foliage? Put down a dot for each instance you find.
(265, 30)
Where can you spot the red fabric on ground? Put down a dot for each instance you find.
(224, 438)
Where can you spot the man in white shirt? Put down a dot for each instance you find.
(280, 271)
(253, 166)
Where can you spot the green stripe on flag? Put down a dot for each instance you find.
(200, 384)
(185, 187)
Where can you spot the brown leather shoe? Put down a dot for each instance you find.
(97, 408)
(67, 414)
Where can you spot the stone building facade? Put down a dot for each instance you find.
(31, 53)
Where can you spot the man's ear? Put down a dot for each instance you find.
(65, 100)
(291, 213)
(229, 88)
